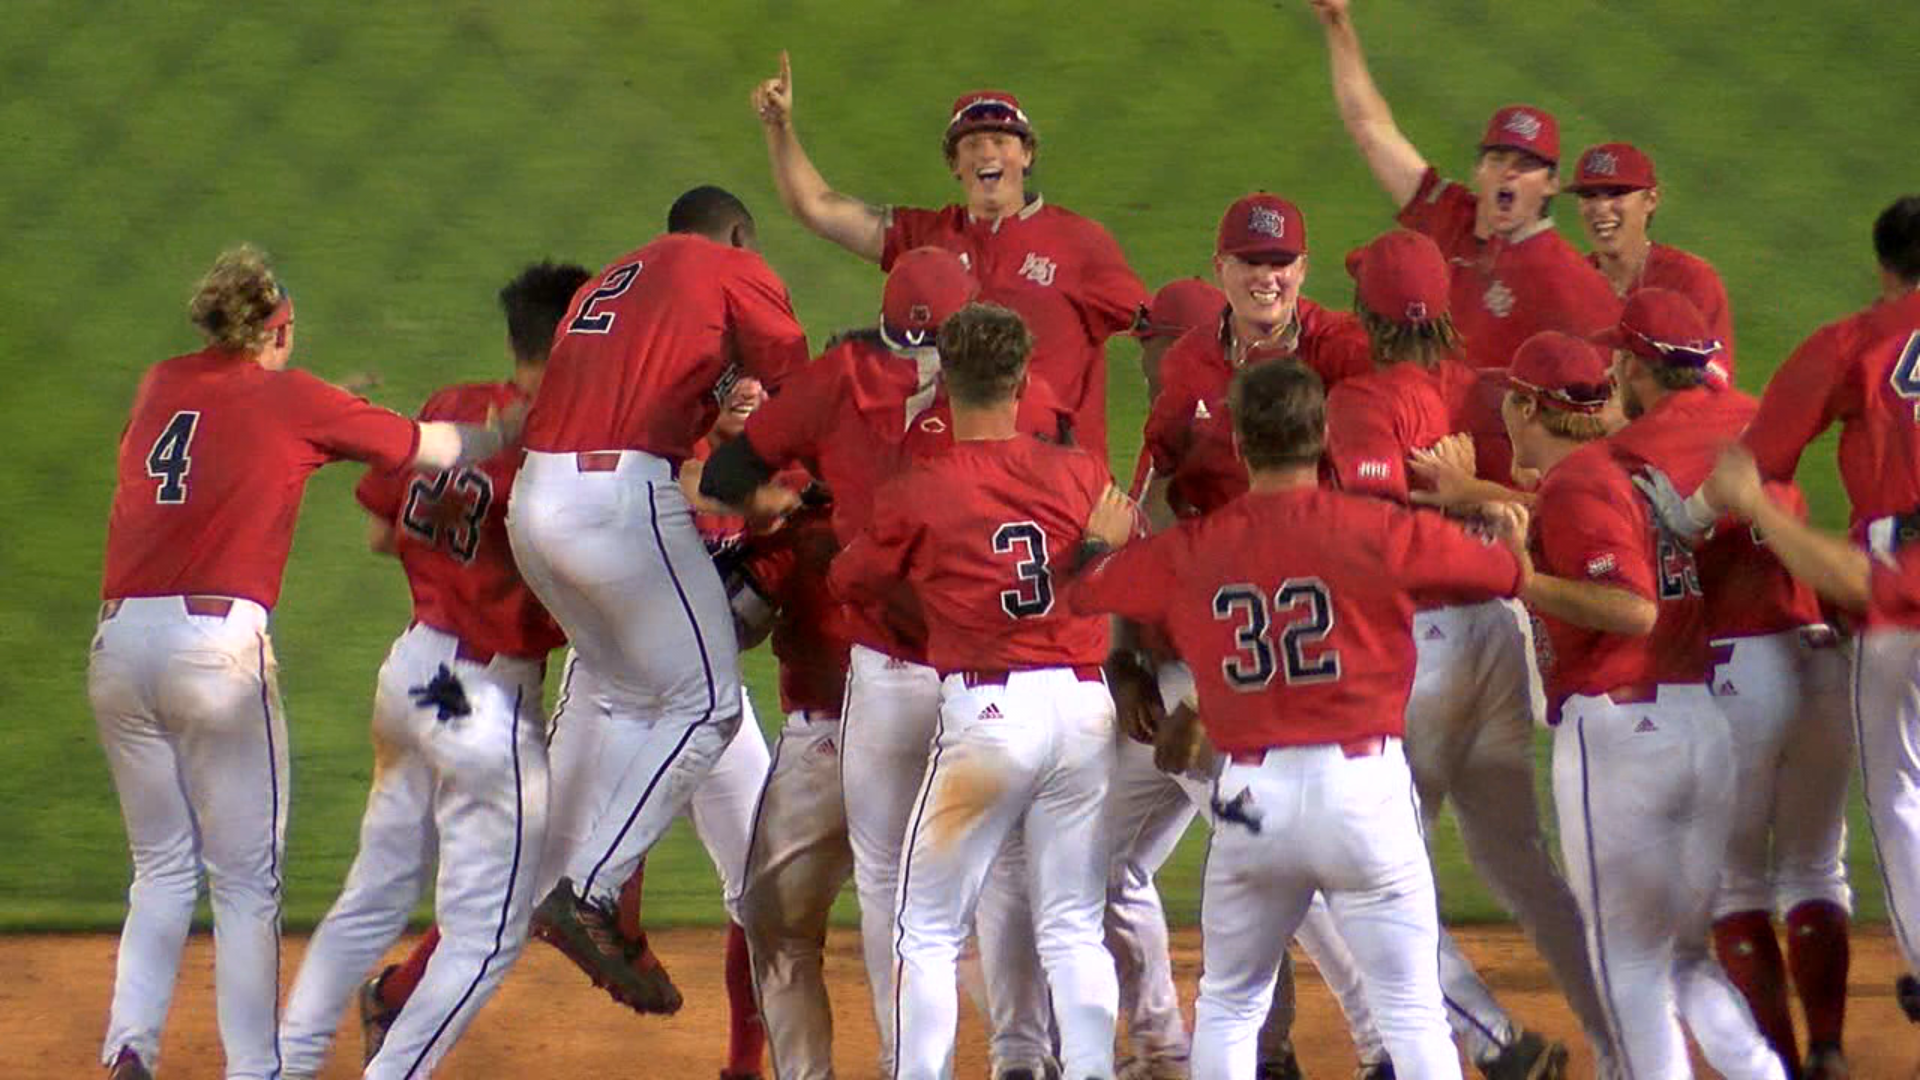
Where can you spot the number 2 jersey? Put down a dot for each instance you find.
(980, 531)
(450, 532)
(212, 465)
(1295, 608)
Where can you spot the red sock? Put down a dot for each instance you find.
(630, 902)
(746, 1035)
(1746, 947)
(1818, 955)
(398, 986)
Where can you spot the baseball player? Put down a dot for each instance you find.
(1025, 739)
(181, 674)
(461, 755)
(1293, 608)
(1476, 694)
(1618, 196)
(1513, 275)
(1061, 272)
(606, 539)
(1780, 678)
(1640, 781)
(854, 418)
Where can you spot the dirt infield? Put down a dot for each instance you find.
(547, 1023)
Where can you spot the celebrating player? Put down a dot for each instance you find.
(1061, 272)
(1640, 781)
(1513, 275)
(606, 538)
(181, 676)
(1779, 676)
(1618, 196)
(1292, 603)
(461, 744)
(1026, 738)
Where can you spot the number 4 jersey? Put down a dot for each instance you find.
(213, 461)
(981, 531)
(450, 532)
(1294, 608)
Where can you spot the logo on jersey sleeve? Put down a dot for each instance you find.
(1602, 565)
(1038, 269)
(1375, 470)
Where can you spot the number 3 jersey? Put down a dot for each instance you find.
(450, 532)
(213, 461)
(984, 532)
(1294, 608)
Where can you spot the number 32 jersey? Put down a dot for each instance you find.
(980, 532)
(1294, 608)
(213, 461)
(450, 532)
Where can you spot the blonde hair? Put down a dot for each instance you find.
(1579, 427)
(1426, 344)
(235, 299)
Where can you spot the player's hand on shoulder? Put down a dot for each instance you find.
(1670, 510)
(773, 98)
(1114, 518)
(1448, 468)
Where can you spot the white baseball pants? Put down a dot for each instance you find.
(1886, 710)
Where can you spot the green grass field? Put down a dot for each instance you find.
(400, 161)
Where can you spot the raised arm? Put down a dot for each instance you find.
(1831, 565)
(1396, 164)
(854, 225)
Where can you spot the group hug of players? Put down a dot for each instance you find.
(1364, 556)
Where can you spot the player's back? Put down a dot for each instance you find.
(450, 534)
(212, 465)
(651, 345)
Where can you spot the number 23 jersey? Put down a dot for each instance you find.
(981, 532)
(1294, 608)
(450, 532)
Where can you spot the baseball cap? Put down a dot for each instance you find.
(1562, 371)
(1523, 127)
(1612, 165)
(1662, 326)
(1401, 277)
(1180, 306)
(1263, 225)
(987, 110)
(924, 288)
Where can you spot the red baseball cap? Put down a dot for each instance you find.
(1662, 326)
(1263, 226)
(1562, 371)
(987, 110)
(1523, 127)
(924, 288)
(1180, 306)
(1401, 277)
(1612, 165)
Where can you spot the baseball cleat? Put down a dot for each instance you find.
(1157, 1068)
(376, 1016)
(1531, 1057)
(128, 1066)
(1282, 1066)
(1906, 990)
(725, 1075)
(1825, 1062)
(1375, 1070)
(661, 997)
(589, 935)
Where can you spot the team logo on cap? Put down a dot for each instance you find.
(1603, 162)
(1524, 124)
(920, 314)
(1267, 222)
(1417, 311)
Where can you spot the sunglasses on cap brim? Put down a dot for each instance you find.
(1687, 353)
(1585, 398)
(990, 111)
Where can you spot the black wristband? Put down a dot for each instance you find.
(1091, 548)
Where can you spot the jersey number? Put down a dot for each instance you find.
(1906, 374)
(433, 517)
(1679, 574)
(1252, 667)
(169, 461)
(1032, 595)
(618, 281)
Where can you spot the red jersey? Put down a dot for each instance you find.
(1591, 525)
(976, 531)
(1189, 432)
(1893, 590)
(1374, 421)
(854, 418)
(1748, 592)
(450, 533)
(1295, 608)
(1694, 278)
(1862, 372)
(1505, 291)
(1061, 272)
(651, 346)
(212, 464)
